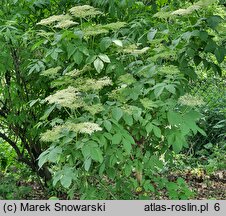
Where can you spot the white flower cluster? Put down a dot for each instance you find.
(105, 81)
(94, 109)
(115, 25)
(51, 72)
(84, 11)
(53, 19)
(190, 100)
(198, 5)
(187, 11)
(163, 14)
(68, 97)
(94, 30)
(132, 49)
(76, 72)
(57, 132)
(93, 84)
(168, 69)
(65, 24)
(102, 29)
(87, 127)
(52, 135)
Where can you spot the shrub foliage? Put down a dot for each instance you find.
(105, 101)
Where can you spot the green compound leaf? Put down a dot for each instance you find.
(99, 65)
(116, 138)
(157, 131)
(107, 125)
(128, 119)
(66, 181)
(117, 42)
(158, 90)
(87, 164)
(117, 113)
(174, 118)
(96, 154)
(127, 145)
(149, 127)
(220, 54)
(104, 58)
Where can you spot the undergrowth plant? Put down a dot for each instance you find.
(118, 108)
